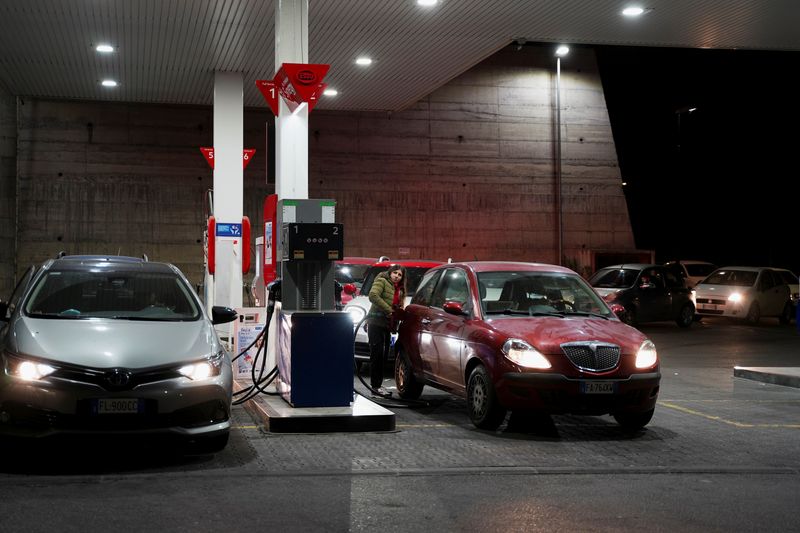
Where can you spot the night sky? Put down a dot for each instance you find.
(719, 183)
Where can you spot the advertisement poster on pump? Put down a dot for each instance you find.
(246, 330)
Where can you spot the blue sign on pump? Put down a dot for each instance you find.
(228, 230)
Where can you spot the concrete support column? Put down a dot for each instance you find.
(291, 129)
(8, 193)
(228, 184)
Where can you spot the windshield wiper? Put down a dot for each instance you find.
(517, 312)
(587, 313)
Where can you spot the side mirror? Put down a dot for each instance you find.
(454, 308)
(618, 310)
(3, 311)
(222, 315)
(349, 288)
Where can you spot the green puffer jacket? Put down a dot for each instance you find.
(381, 295)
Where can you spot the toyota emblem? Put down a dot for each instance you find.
(118, 377)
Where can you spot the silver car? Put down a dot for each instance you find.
(120, 345)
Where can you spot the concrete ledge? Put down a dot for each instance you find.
(786, 376)
(278, 416)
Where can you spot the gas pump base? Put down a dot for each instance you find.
(278, 416)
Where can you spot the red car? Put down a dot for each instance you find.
(524, 336)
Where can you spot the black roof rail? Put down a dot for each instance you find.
(61, 254)
(145, 258)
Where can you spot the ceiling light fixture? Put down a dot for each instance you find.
(104, 48)
(363, 61)
(632, 11)
(427, 3)
(330, 92)
(108, 83)
(562, 50)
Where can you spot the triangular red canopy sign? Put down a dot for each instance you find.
(208, 153)
(270, 92)
(247, 156)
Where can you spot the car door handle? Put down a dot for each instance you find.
(425, 321)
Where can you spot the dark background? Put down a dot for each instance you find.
(719, 183)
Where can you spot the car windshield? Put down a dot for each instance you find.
(699, 270)
(614, 278)
(741, 278)
(538, 293)
(100, 293)
(413, 277)
(350, 273)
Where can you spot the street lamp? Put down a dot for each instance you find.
(561, 51)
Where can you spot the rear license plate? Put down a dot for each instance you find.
(598, 387)
(107, 406)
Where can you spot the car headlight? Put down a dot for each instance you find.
(212, 366)
(27, 369)
(735, 297)
(647, 355)
(356, 313)
(523, 354)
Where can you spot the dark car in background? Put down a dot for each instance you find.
(648, 293)
(527, 337)
(99, 345)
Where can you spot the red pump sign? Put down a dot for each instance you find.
(296, 83)
(247, 156)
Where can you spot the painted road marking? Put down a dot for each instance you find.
(724, 420)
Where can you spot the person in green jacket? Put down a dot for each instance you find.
(387, 295)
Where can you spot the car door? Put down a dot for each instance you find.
(446, 329)
(772, 292)
(678, 294)
(655, 301)
(416, 319)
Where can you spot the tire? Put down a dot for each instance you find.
(686, 316)
(208, 445)
(753, 314)
(630, 317)
(634, 420)
(786, 314)
(484, 409)
(408, 386)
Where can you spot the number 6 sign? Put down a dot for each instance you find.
(247, 155)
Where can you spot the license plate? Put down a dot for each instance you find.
(710, 307)
(106, 406)
(598, 387)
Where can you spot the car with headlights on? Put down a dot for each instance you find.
(647, 293)
(99, 345)
(350, 272)
(524, 336)
(748, 293)
(359, 306)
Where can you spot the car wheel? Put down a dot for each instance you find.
(629, 317)
(408, 386)
(634, 420)
(753, 314)
(207, 445)
(786, 314)
(686, 316)
(484, 409)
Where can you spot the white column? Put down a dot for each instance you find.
(291, 129)
(228, 184)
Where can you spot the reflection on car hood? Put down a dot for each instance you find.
(547, 334)
(719, 291)
(102, 343)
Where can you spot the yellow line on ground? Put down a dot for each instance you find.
(726, 421)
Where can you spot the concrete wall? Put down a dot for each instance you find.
(467, 173)
(8, 194)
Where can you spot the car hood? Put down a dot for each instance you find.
(547, 334)
(720, 291)
(103, 343)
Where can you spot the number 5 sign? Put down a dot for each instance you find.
(247, 155)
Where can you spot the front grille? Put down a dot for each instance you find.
(711, 311)
(593, 356)
(710, 301)
(109, 379)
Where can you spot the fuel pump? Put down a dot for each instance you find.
(314, 341)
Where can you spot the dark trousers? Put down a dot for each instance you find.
(378, 352)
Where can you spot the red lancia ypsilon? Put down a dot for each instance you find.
(524, 336)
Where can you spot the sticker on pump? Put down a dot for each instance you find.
(225, 229)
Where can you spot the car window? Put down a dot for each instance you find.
(452, 287)
(19, 291)
(741, 278)
(614, 278)
(413, 277)
(426, 287)
(653, 278)
(672, 280)
(346, 273)
(787, 277)
(537, 293)
(699, 270)
(766, 281)
(131, 295)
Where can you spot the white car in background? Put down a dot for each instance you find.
(742, 292)
(690, 271)
(359, 306)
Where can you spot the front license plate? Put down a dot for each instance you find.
(598, 387)
(710, 307)
(106, 406)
